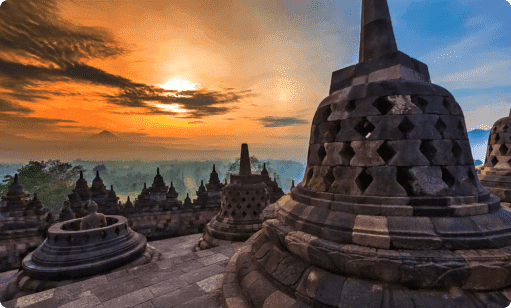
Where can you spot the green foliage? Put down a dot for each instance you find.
(52, 181)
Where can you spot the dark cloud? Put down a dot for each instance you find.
(6, 106)
(56, 51)
(195, 122)
(24, 123)
(281, 121)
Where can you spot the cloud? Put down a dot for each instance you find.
(24, 123)
(281, 121)
(38, 47)
(6, 106)
(195, 122)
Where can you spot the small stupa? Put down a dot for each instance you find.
(495, 174)
(243, 200)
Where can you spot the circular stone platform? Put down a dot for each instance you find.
(69, 253)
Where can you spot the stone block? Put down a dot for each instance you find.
(353, 129)
(322, 286)
(430, 104)
(413, 233)
(386, 127)
(427, 181)
(384, 182)
(371, 231)
(402, 104)
(316, 154)
(366, 153)
(396, 210)
(322, 178)
(360, 293)
(321, 115)
(403, 153)
(375, 269)
(333, 156)
(327, 132)
(289, 270)
(458, 233)
(341, 206)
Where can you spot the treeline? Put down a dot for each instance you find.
(54, 180)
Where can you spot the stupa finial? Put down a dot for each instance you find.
(376, 35)
(81, 174)
(244, 160)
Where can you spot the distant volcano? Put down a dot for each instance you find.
(104, 135)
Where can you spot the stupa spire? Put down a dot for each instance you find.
(244, 160)
(81, 174)
(376, 35)
(16, 178)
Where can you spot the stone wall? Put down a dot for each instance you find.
(15, 245)
(171, 223)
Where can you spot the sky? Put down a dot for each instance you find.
(193, 79)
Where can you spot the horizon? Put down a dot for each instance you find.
(190, 81)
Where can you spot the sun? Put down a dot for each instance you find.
(179, 84)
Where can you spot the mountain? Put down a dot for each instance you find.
(104, 135)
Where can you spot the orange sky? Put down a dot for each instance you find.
(255, 72)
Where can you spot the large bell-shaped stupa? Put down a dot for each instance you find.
(390, 212)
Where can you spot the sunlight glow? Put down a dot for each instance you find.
(179, 84)
(173, 107)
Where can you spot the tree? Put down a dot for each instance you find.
(52, 181)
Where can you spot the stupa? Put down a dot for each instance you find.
(98, 190)
(202, 196)
(214, 188)
(243, 200)
(81, 248)
(23, 225)
(495, 174)
(111, 205)
(274, 191)
(390, 212)
(172, 203)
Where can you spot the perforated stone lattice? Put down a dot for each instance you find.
(412, 145)
(499, 142)
(243, 204)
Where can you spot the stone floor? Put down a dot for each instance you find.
(184, 279)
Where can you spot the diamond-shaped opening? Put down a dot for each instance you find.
(347, 152)
(248, 206)
(364, 127)
(254, 213)
(248, 193)
(503, 149)
(440, 126)
(447, 177)
(238, 206)
(329, 178)
(428, 150)
(406, 126)
(238, 193)
(258, 204)
(224, 213)
(309, 174)
(56, 239)
(456, 150)
(405, 180)
(461, 128)
(243, 214)
(232, 214)
(420, 102)
(117, 231)
(509, 162)
(447, 104)
(386, 152)
(472, 177)
(494, 161)
(243, 199)
(69, 238)
(321, 153)
(350, 106)
(383, 105)
(497, 137)
(103, 234)
(253, 199)
(316, 133)
(505, 128)
(322, 114)
(363, 180)
(256, 192)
